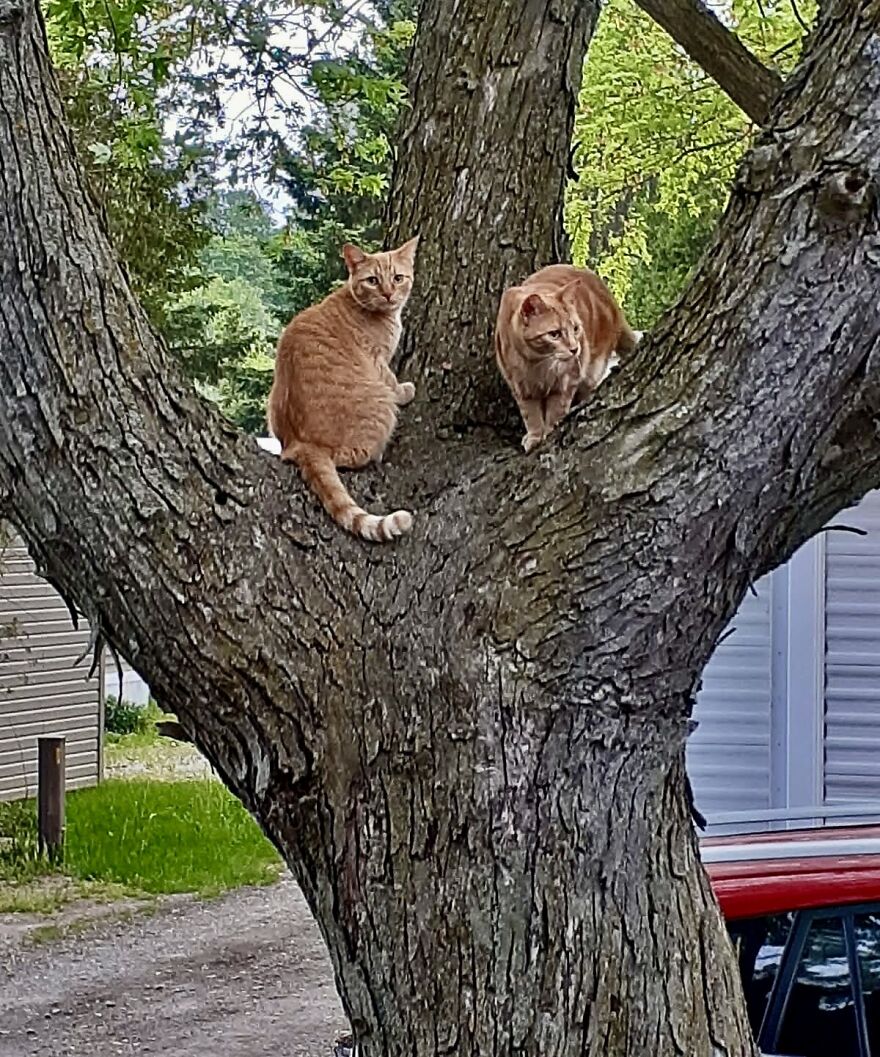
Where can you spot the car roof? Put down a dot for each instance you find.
(767, 873)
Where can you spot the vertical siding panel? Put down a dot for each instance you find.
(852, 656)
(42, 691)
(729, 755)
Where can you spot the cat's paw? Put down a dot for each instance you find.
(406, 392)
(530, 441)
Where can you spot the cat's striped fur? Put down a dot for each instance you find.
(334, 398)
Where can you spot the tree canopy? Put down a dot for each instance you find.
(227, 234)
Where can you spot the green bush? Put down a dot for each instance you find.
(125, 717)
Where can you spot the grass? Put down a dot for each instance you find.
(142, 836)
(150, 756)
(146, 754)
(158, 837)
(44, 894)
(65, 929)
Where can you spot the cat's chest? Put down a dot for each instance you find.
(557, 372)
(383, 339)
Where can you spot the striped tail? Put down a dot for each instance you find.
(629, 338)
(321, 475)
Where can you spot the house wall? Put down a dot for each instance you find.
(134, 689)
(42, 689)
(789, 711)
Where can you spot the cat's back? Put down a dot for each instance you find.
(555, 276)
(326, 324)
(506, 336)
(596, 305)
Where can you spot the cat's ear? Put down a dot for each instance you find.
(353, 256)
(407, 252)
(567, 292)
(532, 306)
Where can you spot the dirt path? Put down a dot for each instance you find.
(242, 976)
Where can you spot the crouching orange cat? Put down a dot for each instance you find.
(334, 398)
(556, 339)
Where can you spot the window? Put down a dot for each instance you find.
(759, 944)
(867, 937)
(819, 1012)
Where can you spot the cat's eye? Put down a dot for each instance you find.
(554, 335)
(399, 278)
(372, 280)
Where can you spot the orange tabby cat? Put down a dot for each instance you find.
(556, 339)
(334, 398)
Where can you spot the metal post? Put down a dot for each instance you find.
(50, 797)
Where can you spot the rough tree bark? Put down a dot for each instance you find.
(718, 50)
(468, 746)
(493, 89)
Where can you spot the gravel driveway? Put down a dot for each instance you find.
(242, 976)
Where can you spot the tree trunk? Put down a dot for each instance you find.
(468, 746)
(485, 140)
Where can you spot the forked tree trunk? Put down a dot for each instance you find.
(468, 746)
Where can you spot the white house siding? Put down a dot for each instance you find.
(134, 689)
(852, 656)
(729, 755)
(42, 691)
(790, 708)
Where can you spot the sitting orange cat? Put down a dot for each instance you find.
(334, 398)
(556, 339)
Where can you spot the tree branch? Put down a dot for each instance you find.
(724, 57)
(759, 393)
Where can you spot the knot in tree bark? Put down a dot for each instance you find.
(11, 13)
(848, 195)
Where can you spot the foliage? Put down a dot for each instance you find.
(18, 840)
(242, 392)
(125, 717)
(146, 836)
(225, 331)
(337, 172)
(307, 97)
(114, 60)
(216, 325)
(656, 147)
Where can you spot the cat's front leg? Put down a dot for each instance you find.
(404, 392)
(532, 413)
(556, 407)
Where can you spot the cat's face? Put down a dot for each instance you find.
(551, 326)
(381, 282)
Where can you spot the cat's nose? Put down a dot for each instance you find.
(575, 350)
(386, 295)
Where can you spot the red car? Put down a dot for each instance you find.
(803, 911)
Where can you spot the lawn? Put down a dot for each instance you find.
(134, 749)
(143, 836)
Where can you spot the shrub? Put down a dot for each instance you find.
(125, 717)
